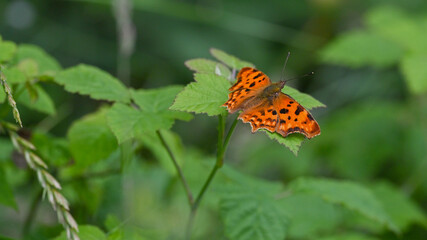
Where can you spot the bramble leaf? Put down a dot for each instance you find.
(92, 81)
(250, 211)
(351, 195)
(206, 95)
(400, 28)
(304, 99)
(7, 50)
(159, 100)
(292, 142)
(415, 72)
(46, 64)
(349, 236)
(14, 75)
(201, 65)
(358, 49)
(306, 222)
(229, 60)
(39, 100)
(406, 213)
(153, 113)
(91, 140)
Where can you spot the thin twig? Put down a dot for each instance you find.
(126, 35)
(221, 148)
(177, 167)
(32, 212)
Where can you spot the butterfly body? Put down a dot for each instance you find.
(264, 105)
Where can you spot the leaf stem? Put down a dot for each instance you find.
(221, 148)
(178, 168)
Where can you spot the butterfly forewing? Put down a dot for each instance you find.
(250, 82)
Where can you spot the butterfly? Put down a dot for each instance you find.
(264, 105)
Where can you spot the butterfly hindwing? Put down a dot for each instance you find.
(261, 116)
(294, 118)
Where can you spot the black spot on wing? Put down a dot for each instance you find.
(252, 84)
(257, 76)
(284, 111)
(274, 112)
(299, 109)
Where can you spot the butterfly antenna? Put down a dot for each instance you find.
(303, 76)
(284, 66)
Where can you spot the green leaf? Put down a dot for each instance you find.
(7, 50)
(86, 232)
(348, 194)
(415, 72)
(206, 95)
(89, 80)
(306, 100)
(201, 65)
(407, 211)
(158, 101)
(348, 236)
(6, 196)
(43, 103)
(400, 28)
(14, 75)
(46, 64)
(127, 122)
(29, 68)
(153, 113)
(309, 215)
(91, 140)
(292, 142)
(250, 211)
(358, 49)
(229, 60)
(51, 149)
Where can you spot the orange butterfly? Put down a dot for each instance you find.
(265, 106)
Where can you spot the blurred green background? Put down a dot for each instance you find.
(369, 59)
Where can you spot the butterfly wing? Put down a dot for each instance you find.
(250, 82)
(294, 118)
(262, 116)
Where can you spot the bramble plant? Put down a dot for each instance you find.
(124, 158)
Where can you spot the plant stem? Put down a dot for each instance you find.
(178, 168)
(32, 212)
(222, 146)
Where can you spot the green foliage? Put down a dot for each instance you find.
(34, 97)
(229, 60)
(153, 114)
(415, 72)
(6, 196)
(349, 236)
(91, 140)
(351, 195)
(401, 209)
(86, 232)
(309, 215)
(46, 64)
(7, 50)
(206, 95)
(201, 65)
(359, 49)
(88, 80)
(392, 38)
(249, 209)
